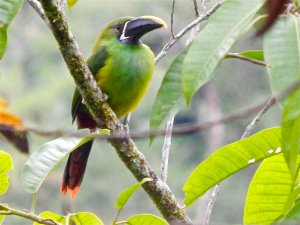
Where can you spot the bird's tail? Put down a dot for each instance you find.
(75, 168)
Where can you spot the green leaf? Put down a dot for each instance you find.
(50, 215)
(127, 193)
(8, 10)
(5, 165)
(3, 40)
(282, 50)
(170, 96)
(292, 217)
(269, 192)
(71, 3)
(251, 54)
(290, 132)
(229, 160)
(1, 219)
(84, 218)
(214, 41)
(48, 157)
(292, 199)
(146, 219)
(296, 2)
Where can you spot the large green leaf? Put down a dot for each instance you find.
(282, 50)
(146, 219)
(269, 192)
(8, 10)
(5, 165)
(48, 157)
(214, 41)
(53, 216)
(127, 193)
(85, 218)
(291, 130)
(229, 160)
(170, 96)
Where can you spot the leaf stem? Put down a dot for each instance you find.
(33, 204)
(257, 62)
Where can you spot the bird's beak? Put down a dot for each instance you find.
(137, 27)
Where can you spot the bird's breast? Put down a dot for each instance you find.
(126, 76)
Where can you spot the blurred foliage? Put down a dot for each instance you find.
(35, 80)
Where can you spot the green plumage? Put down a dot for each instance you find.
(122, 71)
(122, 67)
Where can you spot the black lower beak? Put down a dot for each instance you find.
(136, 28)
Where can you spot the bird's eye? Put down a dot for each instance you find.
(118, 28)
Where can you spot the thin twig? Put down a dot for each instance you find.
(40, 11)
(166, 150)
(5, 210)
(184, 129)
(252, 125)
(196, 8)
(204, 5)
(185, 30)
(172, 18)
(257, 62)
(211, 203)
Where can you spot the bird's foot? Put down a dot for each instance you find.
(105, 97)
(126, 124)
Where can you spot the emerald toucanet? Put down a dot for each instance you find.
(122, 67)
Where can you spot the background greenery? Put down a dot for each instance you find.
(35, 80)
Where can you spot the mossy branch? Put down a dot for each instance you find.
(135, 161)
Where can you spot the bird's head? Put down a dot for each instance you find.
(129, 30)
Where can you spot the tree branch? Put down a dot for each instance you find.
(196, 8)
(184, 129)
(5, 210)
(185, 30)
(172, 18)
(166, 150)
(40, 11)
(135, 161)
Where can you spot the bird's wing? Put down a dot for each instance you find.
(95, 63)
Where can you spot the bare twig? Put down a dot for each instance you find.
(40, 11)
(251, 126)
(184, 129)
(196, 8)
(172, 41)
(172, 18)
(166, 150)
(5, 210)
(257, 62)
(211, 203)
(204, 5)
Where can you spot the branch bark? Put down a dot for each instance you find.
(5, 210)
(135, 161)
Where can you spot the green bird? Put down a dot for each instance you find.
(122, 67)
